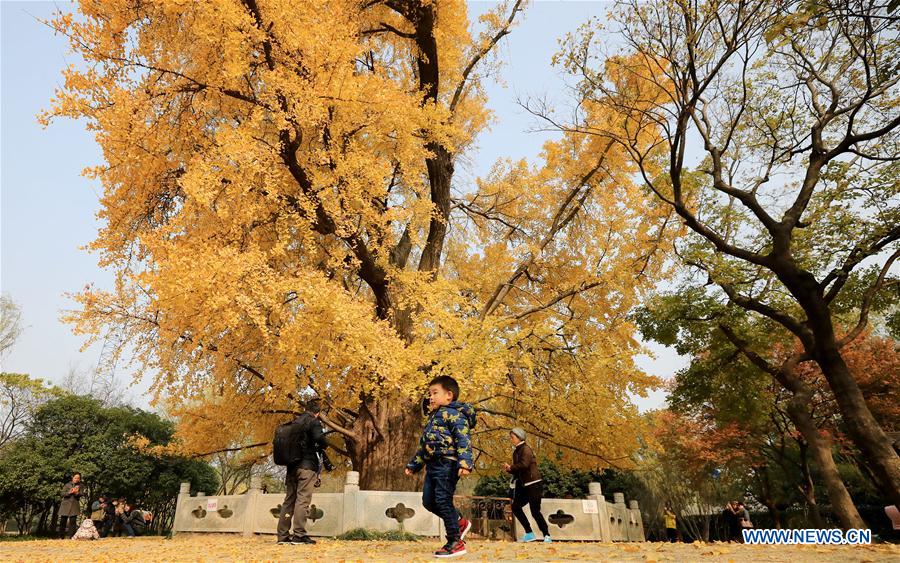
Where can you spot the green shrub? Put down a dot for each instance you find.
(363, 534)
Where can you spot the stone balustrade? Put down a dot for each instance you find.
(332, 514)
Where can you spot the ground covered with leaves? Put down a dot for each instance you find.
(235, 548)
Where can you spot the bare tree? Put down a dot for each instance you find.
(98, 384)
(10, 323)
(20, 395)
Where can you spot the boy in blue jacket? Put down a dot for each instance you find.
(445, 450)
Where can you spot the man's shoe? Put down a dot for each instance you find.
(284, 541)
(455, 549)
(529, 537)
(464, 527)
(547, 539)
(304, 539)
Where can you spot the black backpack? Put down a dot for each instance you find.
(290, 441)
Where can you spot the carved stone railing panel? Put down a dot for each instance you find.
(331, 514)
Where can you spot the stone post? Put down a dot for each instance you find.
(595, 492)
(250, 507)
(352, 500)
(619, 528)
(637, 530)
(181, 505)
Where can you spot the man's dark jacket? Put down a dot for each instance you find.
(315, 442)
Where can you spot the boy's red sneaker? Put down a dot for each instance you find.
(464, 527)
(452, 550)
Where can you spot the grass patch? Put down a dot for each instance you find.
(363, 534)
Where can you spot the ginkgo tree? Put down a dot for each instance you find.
(280, 215)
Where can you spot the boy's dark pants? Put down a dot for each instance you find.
(441, 476)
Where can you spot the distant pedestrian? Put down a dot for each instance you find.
(527, 485)
(109, 517)
(127, 518)
(70, 507)
(97, 509)
(118, 517)
(671, 524)
(731, 515)
(744, 516)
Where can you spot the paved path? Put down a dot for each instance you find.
(233, 548)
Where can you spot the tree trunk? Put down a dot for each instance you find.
(776, 516)
(862, 427)
(798, 412)
(440, 173)
(388, 434)
(42, 521)
(841, 502)
(808, 487)
(768, 499)
(385, 434)
(772, 507)
(54, 519)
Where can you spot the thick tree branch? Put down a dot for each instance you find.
(338, 428)
(784, 373)
(545, 435)
(559, 297)
(787, 321)
(234, 449)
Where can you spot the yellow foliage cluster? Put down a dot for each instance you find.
(265, 161)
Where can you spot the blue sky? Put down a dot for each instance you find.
(47, 210)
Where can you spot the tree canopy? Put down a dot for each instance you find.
(281, 217)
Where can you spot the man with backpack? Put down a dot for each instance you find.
(297, 445)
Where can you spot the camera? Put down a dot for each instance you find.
(326, 462)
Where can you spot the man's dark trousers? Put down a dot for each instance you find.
(298, 488)
(441, 476)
